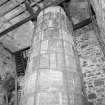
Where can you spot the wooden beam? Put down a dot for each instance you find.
(82, 24)
(29, 18)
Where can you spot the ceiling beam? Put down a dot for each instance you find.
(8, 50)
(82, 24)
(29, 8)
(22, 50)
(11, 8)
(4, 2)
(28, 19)
(15, 26)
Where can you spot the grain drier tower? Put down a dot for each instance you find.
(52, 77)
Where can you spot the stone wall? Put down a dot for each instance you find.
(92, 63)
(7, 74)
(7, 63)
(99, 8)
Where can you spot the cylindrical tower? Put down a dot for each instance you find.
(51, 76)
